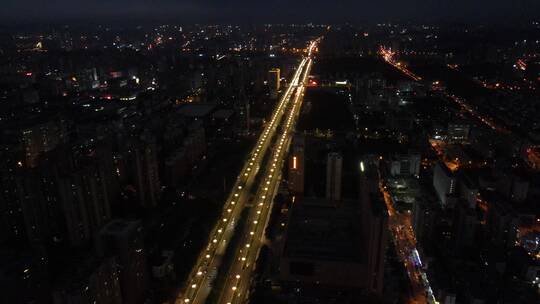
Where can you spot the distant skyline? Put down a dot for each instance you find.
(256, 11)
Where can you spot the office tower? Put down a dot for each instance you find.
(296, 165)
(334, 166)
(274, 82)
(124, 239)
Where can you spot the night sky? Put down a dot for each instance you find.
(240, 11)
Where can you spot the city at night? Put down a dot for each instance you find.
(270, 152)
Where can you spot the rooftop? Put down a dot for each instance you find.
(196, 110)
(321, 231)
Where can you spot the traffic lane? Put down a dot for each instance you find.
(240, 276)
(273, 183)
(195, 285)
(243, 267)
(255, 232)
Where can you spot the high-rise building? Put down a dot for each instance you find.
(23, 276)
(124, 239)
(445, 185)
(147, 173)
(374, 217)
(466, 225)
(41, 137)
(176, 168)
(274, 82)
(468, 189)
(334, 166)
(502, 224)
(34, 208)
(137, 169)
(424, 214)
(89, 280)
(65, 197)
(11, 215)
(180, 164)
(296, 165)
(86, 208)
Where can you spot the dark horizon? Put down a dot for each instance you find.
(277, 11)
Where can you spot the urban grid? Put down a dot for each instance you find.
(270, 152)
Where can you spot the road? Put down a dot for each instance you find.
(404, 239)
(389, 57)
(474, 113)
(200, 279)
(238, 278)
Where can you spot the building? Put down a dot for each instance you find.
(195, 143)
(424, 215)
(137, 169)
(405, 165)
(445, 185)
(41, 137)
(519, 189)
(374, 218)
(89, 280)
(64, 198)
(124, 240)
(458, 132)
(469, 190)
(334, 167)
(274, 80)
(337, 247)
(176, 169)
(466, 225)
(323, 247)
(147, 173)
(502, 223)
(11, 218)
(86, 208)
(184, 160)
(22, 271)
(296, 165)
(38, 215)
